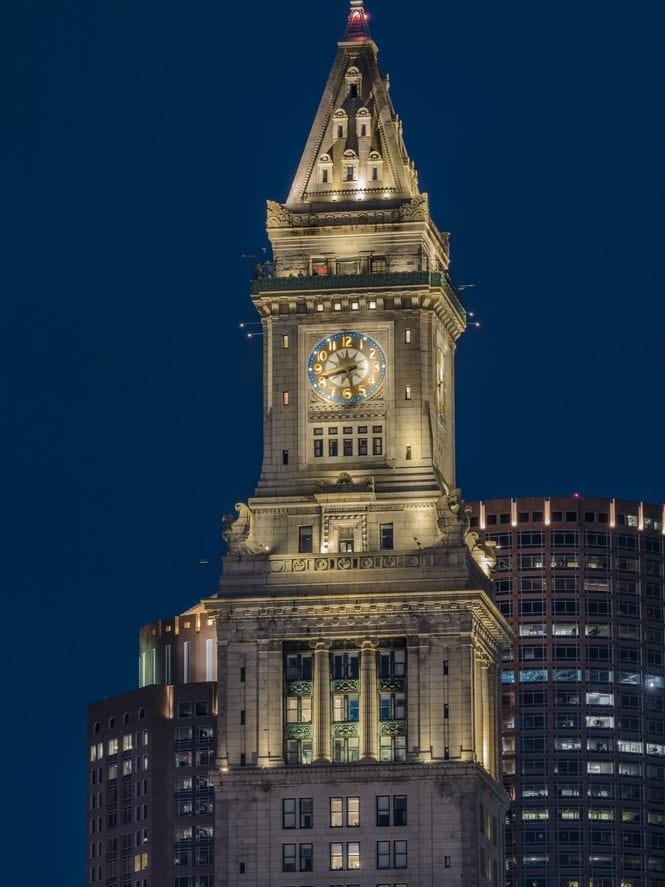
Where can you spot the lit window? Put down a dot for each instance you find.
(285, 398)
(407, 392)
(407, 336)
(285, 341)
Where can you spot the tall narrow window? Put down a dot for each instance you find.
(386, 534)
(407, 392)
(210, 658)
(186, 649)
(407, 336)
(285, 457)
(285, 341)
(408, 452)
(285, 398)
(305, 539)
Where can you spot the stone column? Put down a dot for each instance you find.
(222, 703)
(486, 717)
(369, 715)
(321, 704)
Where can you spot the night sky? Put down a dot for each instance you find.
(142, 140)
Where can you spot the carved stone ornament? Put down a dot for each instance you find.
(237, 532)
(345, 484)
(416, 209)
(452, 519)
(278, 215)
(483, 552)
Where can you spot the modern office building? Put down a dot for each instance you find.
(347, 669)
(583, 688)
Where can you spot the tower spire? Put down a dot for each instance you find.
(356, 24)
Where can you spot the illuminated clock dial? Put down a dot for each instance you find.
(346, 367)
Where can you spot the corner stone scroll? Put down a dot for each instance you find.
(278, 216)
(237, 532)
(452, 519)
(483, 553)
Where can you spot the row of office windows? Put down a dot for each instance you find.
(346, 664)
(573, 538)
(576, 675)
(576, 767)
(343, 812)
(346, 750)
(571, 517)
(627, 791)
(346, 543)
(344, 855)
(345, 707)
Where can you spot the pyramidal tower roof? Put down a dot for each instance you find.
(355, 150)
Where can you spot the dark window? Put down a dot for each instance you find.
(362, 446)
(386, 533)
(333, 447)
(288, 813)
(285, 457)
(377, 446)
(318, 449)
(348, 447)
(305, 539)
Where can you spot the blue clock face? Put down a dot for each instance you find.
(346, 367)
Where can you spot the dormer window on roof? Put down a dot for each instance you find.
(354, 81)
(340, 124)
(375, 166)
(363, 120)
(350, 166)
(325, 169)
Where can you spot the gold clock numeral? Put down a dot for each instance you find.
(376, 365)
(372, 352)
(362, 391)
(346, 341)
(347, 393)
(317, 367)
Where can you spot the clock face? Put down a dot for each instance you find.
(346, 367)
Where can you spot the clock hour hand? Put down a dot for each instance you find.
(346, 370)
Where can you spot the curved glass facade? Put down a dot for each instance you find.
(583, 689)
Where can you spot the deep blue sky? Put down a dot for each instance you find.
(143, 140)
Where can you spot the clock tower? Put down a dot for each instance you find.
(357, 638)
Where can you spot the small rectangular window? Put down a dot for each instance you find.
(408, 452)
(285, 457)
(288, 813)
(407, 336)
(362, 446)
(348, 447)
(407, 392)
(377, 446)
(285, 398)
(386, 536)
(305, 539)
(333, 447)
(285, 341)
(318, 449)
